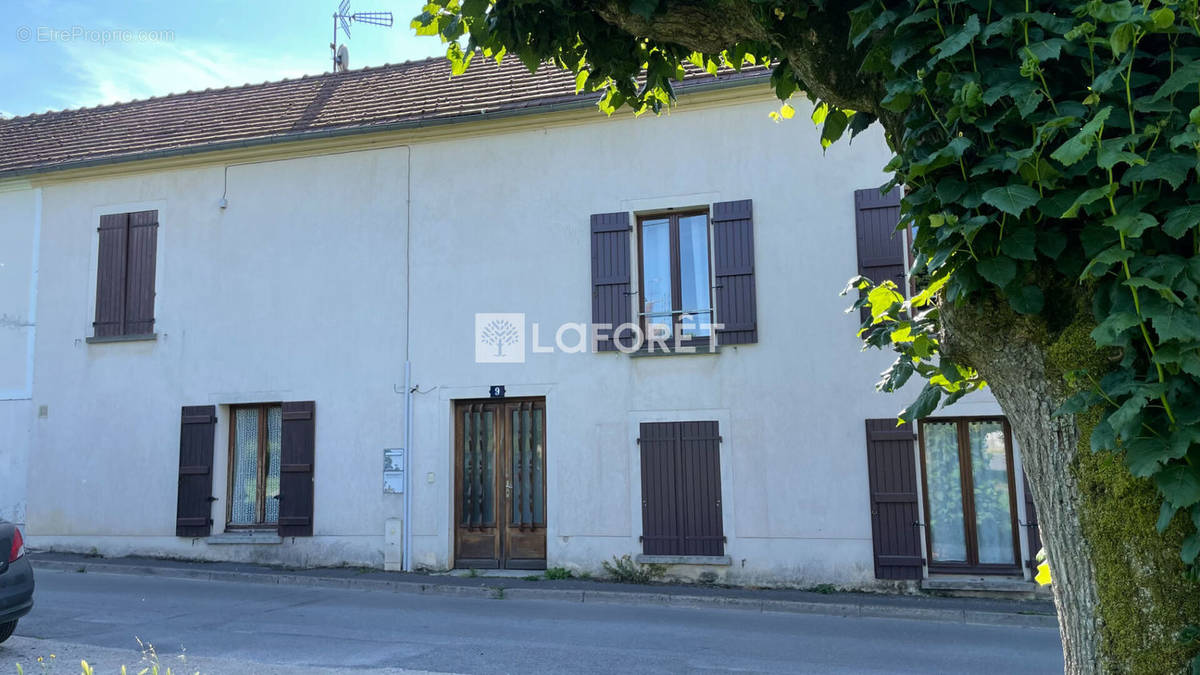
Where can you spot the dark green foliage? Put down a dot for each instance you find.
(1060, 145)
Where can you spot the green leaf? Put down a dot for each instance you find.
(1047, 50)
(881, 299)
(950, 189)
(956, 41)
(1185, 76)
(1180, 485)
(1177, 323)
(1191, 548)
(1112, 154)
(1164, 290)
(1163, 18)
(1181, 441)
(1172, 168)
(1131, 224)
(1181, 220)
(1012, 199)
(999, 270)
(1027, 300)
(1166, 513)
(1110, 12)
(1103, 437)
(1019, 243)
(884, 18)
(1144, 456)
(1106, 258)
(1076, 404)
(1110, 329)
(834, 127)
(926, 402)
(1087, 197)
(1125, 419)
(943, 156)
(1081, 143)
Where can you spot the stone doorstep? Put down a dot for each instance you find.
(853, 607)
(246, 537)
(719, 560)
(981, 584)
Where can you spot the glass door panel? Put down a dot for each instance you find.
(947, 534)
(993, 510)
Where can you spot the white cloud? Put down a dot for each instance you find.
(115, 72)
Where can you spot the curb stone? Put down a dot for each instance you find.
(500, 592)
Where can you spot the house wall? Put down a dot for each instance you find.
(791, 408)
(295, 291)
(18, 264)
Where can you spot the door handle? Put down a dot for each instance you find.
(508, 489)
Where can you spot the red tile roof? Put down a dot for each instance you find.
(410, 94)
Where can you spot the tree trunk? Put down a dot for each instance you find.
(1118, 584)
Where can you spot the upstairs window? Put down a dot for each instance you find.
(675, 288)
(125, 275)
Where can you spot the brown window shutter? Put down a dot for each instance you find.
(733, 254)
(297, 455)
(193, 510)
(880, 245)
(610, 276)
(1031, 526)
(895, 516)
(681, 489)
(110, 276)
(139, 283)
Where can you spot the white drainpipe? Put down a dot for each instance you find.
(408, 481)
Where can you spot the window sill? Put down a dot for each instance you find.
(696, 351)
(722, 560)
(149, 337)
(247, 537)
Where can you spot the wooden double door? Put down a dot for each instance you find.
(500, 483)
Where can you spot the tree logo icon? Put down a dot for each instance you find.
(499, 338)
(499, 334)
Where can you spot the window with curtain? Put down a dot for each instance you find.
(254, 465)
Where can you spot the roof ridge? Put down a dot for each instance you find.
(229, 87)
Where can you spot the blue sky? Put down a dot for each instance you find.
(57, 54)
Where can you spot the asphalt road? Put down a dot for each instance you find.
(228, 627)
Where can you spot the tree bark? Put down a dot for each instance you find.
(1011, 357)
(1118, 584)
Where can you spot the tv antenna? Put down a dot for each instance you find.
(342, 17)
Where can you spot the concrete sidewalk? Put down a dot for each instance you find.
(1032, 613)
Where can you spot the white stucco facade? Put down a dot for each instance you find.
(300, 289)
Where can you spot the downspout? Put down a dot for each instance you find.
(406, 556)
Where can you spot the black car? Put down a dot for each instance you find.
(16, 579)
